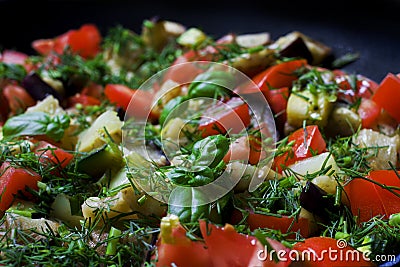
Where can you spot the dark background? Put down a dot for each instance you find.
(371, 28)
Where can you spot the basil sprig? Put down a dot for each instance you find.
(36, 123)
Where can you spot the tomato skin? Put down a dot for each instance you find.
(387, 95)
(278, 99)
(177, 249)
(15, 57)
(93, 90)
(306, 143)
(84, 41)
(18, 98)
(183, 73)
(385, 203)
(52, 153)
(232, 249)
(43, 46)
(119, 94)
(360, 202)
(13, 180)
(285, 224)
(390, 201)
(325, 252)
(178, 253)
(85, 100)
(275, 77)
(246, 148)
(369, 112)
(280, 75)
(365, 87)
(233, 115)
(139, 101)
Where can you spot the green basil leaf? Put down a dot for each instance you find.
(36, 123)
(191, 213)
(209, 151)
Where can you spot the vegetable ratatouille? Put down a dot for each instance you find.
(72, 189)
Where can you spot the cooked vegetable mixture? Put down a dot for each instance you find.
(97, 169)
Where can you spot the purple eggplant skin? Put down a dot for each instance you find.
(297, 48)
(317, 201)
(38, 88)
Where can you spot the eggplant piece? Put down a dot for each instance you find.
(4, 108)
(74, 84)
(297, 48)
(319, 51)
(38, 88)
(317, 201)
(157, 33)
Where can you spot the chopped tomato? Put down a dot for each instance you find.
(43, 46)
(14, 181)
(139, 101)
(364, 87)
(388, 94)
(390, 200)
(119, 94)
(277, 76)
(84, 41)
(305, 142)
(16, 57)
(51, 153)
(247, 148)
(385, 202)
(284, 223)
(326, 251)
(278, 99)
(18, 98)
(181, 71)
(232, 116)
(232, 249)
(85, 100)
(93, 89)
(369, 112)
(174, 248)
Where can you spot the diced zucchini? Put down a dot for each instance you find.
(191, 37)
(61, 209)
(309, 107)
(106, 124)
(314, 164)
(97, 162)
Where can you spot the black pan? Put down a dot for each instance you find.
(370, 29)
